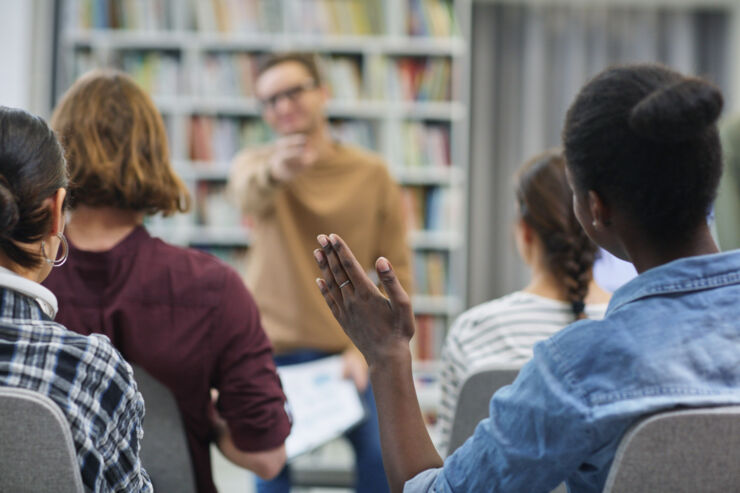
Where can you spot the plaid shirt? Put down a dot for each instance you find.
(89, 381)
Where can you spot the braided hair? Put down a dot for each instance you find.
(545, 204)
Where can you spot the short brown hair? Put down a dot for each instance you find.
(116, 147)
(307, 60)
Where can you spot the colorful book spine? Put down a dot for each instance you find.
(430, 273)
(158, 73)
(426, 345)
(432, 18)
(218, 139)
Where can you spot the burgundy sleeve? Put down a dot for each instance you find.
(251, 398)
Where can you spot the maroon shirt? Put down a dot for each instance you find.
(186, 318)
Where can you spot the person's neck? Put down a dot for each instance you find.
(36, 274)
(98, 229)
(645, 255)
(543, 283)
(321, 140)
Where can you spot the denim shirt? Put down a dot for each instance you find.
(671, 337)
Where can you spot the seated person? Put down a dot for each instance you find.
(561, 257)
(643, 159)
(182, 315)
(80, 374)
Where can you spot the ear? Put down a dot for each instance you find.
(324, 91)
(600, 212)
(524, 239)
(57, 211)
(526, 232)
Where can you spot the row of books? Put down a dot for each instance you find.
(237, 16)
(320, 17)
(143, 15)
(422, 78)
(337, 17)
(158, 72)
(431, 208)
(425, 144)
(426, 345)
(431, 18)
(430, 273)
(218, 139)
(233, 74)
(229, 74)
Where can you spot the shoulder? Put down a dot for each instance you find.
(489, 314)
(189, 270)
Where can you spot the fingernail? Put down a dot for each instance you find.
(383, 265)
(322, 240)
(317, 255)
(318, 283)
(333, 238)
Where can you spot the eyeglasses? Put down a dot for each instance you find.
(291, 94)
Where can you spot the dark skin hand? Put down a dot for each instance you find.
(381, 329)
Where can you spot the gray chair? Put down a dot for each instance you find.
(473, 403)
(164, 450)
(679, 451)
(37, 454)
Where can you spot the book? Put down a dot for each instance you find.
(323, 404)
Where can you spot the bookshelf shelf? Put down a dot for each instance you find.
(436, 305)
(398, 73)
(391, 45)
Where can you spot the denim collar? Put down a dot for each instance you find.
(680, 276)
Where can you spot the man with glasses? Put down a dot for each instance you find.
(300, 185)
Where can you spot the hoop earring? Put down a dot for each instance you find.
(65, 252)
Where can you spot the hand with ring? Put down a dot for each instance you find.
(380, 327)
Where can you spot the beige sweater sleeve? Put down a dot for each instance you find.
(250, 184)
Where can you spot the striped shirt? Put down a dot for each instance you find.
(502, 331)
(89, 381)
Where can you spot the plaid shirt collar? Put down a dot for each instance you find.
(41, 295)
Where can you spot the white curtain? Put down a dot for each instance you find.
(528, 63)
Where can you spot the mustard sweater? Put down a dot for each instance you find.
(348, 192)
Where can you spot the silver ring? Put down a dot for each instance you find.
(344, 284)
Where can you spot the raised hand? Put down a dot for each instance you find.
(291, 157)
(380, 327)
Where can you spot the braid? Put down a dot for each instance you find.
(579, 258)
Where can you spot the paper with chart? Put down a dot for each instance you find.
(324, 405)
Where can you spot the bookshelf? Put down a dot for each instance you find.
(397, 71)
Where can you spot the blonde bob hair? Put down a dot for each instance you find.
(116, 147)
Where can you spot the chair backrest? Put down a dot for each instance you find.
(164, 450)
(679, 451)
(473, 403)
(475, 396)
(37, 453)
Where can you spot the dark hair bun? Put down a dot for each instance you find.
(9, 213)
(676, 112)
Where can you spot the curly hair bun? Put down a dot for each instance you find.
(9, 213)
(677, 112)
